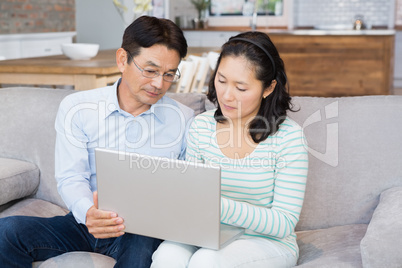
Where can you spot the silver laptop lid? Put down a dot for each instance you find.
(159, 197)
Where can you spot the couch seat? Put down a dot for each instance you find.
(324, 247)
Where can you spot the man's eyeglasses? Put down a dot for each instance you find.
(152, 73)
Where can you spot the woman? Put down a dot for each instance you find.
(262, 155)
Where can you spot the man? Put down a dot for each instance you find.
(132, 115)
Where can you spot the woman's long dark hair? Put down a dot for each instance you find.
(273, 108)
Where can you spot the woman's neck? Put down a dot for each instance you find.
(234, 140)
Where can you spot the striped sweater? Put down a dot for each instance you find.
(264, 191)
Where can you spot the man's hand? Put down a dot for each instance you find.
(103, 224)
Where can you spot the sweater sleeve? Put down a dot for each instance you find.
(193, 151)
(279, 218)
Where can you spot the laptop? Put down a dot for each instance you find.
(164, 198)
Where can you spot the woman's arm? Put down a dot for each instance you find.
(280, 217)
(193, 153)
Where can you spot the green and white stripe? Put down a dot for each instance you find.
(264, 191)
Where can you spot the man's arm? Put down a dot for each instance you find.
(73, 174)
(72, 170)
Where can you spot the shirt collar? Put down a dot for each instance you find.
(113, 105)
(158, 111)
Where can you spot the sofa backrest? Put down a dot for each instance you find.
(355, 146)
(27, 116)
(355, 152)
(27, 131)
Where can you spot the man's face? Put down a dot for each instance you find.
(139, 92)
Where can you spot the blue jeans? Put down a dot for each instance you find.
(24, 240)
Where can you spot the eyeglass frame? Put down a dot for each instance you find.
(157, 74)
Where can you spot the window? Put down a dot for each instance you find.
(271, 13)
(246, 7)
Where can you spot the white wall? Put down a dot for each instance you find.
(398, 60)
(97, 21)
(330, 12)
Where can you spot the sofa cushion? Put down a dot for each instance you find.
(354, 146)
(195, 101)
(28, 114)
(209, 105)
(333, 247)
(381, 246)
(18, 179)
(34, 207)
(79, 260)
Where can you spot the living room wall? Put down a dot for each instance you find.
(36, 16)
(398, 16)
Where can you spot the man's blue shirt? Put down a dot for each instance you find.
(93, 119)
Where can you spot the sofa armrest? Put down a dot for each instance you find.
(18, 179)
(382, 243)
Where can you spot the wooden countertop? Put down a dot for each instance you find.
(102, 64)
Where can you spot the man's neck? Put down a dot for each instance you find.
(130, 104)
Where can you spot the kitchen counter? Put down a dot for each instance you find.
(325, 63)
(35, 36)
(27, 45)
(312, 31)
(332, 32)
(338, 65)
(60, 70)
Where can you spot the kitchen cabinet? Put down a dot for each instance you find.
(398, 61)
(10, 49)
(344, 65)
(208, 38)
(327, 63)
(14, 46)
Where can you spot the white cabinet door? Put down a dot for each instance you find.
(208, 38)
(193, 38)
(216, 38)
(9, 49)
(15, 46)
(43, 47)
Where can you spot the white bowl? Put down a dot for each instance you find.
(80, 51)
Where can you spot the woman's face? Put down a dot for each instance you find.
(238, 91)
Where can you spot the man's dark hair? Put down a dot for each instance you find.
(147, 31)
